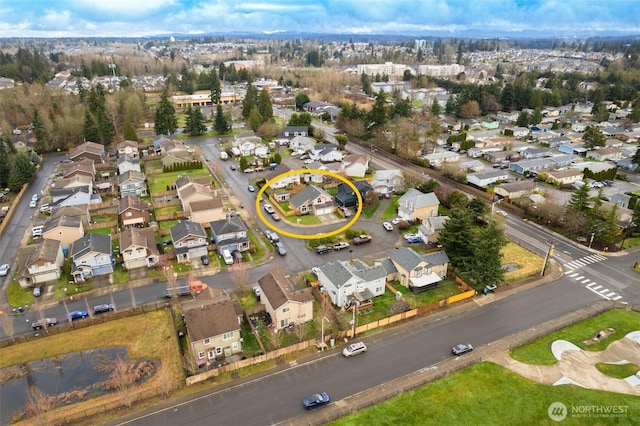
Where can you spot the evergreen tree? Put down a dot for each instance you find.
(378, 116)
(301, 119)
(580, 199)
(636, 157)
(40, 131)
(22, 171)
(366, 84)
(5, 168)
(195, 125)
(166, 122)
(523, 119)
(250, 101)
(301, 99)
(488, 257)
(91, 133)
(220, 124)
(255, 119)
(536, 117)
(457, 239)
(635, 112)
(129, 132)
(244, 163)
(593, 137)
(216, 88)
(264, 106)
(436, 109)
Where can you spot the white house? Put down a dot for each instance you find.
(484, 179)
(343, 281)
(387, 181)
(355, 165)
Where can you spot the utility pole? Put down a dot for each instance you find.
(546, 258)
(322, 345)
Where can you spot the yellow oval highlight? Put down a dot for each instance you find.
(315, 236)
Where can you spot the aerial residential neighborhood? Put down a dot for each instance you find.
(190, 212)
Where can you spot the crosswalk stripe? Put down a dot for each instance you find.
(603, 291)
(579, 278)
(617, 298)
(599, 294)
(611, 294)
(596, 288)
(586, 281)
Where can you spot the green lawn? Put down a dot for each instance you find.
(18, 296)
(168, 224)
(368, 212)
(390, 212)
(538, 352)
(446, 289)
(284, 205)
(488, 394)
(307, 219)
(105, 231)
(159, 182)
(618, 371)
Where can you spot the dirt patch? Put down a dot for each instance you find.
(602, 334)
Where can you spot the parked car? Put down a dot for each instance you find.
(414, 240)
(396, 221)
(233, 167)
(251, 188)
(75, 315)
(315, 270)
(387, 226)
(354, 349)
(100, 309)
(269, 208)
(462, 348)
(490, 288)
(341, 246)
(315, 400)
(323, 249)
(33, 204)
(45, 208)
(256, 291)
(35, 197)
(280, 249)
(205, 260)
(37, 291)
(271, 236)
(46, 322)
(409, 236)
(4, 270)
(275, 217)
(362, 239)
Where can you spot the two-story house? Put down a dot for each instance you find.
(81, 167)
(91, 256)
(75, 181)
(286, 304)
(326, 153)
(189, 241)
(132, 183)
(192, 192)
(61, 197)
(43, 263)
(214, 331)
(229, 235)
(345, 282)
(418, 272)
(90, 151)
(416, 206)
(355, 165)
(429, 230)
(346, 196)
(128, 148)
(208, 210)
(387, 181)
(138, 248)
(285, 181)
(127, 163)
(132, 211)
(312, 200)
(65, 229)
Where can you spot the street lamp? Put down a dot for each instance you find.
(322, 342)
(493, 207)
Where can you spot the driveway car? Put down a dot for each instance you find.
(396, 221)
(315, 270)
(408, 236)
(323, 249)
(45, 208)
(37, 291)
(387, 226)
(4, 270)
(100, 309)
(205, 260)
(268, 208)
(251, 188)
(315, 400)
(280, 249)
(33, 204)
(414, 240)
(462, 348)
(256, 291)
(341, 246)
(275, 217)
(354, 349)
(75, 315)
(46, 322)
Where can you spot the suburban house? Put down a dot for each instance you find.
(43, 263)
(290, 132)
(61, 197)
(387, 181)
(604, 154)
(205, 211)
(318, 108)
(286, 304)
(80, 210)
(129, 148)
(132, 211)
(65, 229)
(157, 144)
(229, 234)
(347, 283)
(484, 179)
(522, 188)
(285, 181)
(418, 272)
(91, 256)
(194, 192)
(82, 167)
(327, 153)
(90, 151)
(564, 177)
(127, 163)
(189, 241)
(429, 230)
(75, 181)
(214, 331)
(138, 248)
(132, 183)
(170, 159)
(415, 205)
(355, 165)
(302, 143)
(346, 197)
(312, 200)
(439, 158)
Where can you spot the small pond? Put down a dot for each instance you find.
(69, 378)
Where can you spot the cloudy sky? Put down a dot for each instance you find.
(134, 18)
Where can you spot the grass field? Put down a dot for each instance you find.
(538, 352)
(528, 262)
(161, 181)
(488, 394)
(617, 371)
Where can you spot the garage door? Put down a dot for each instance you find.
(324, 210)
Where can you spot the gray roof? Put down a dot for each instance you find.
(68, 192)
(436, 258)
(339, 273)
(388, 265)
(417, 199)
(227, 226)
(405, 257)
(64, 221)
(185, 228)
(309, 193)
(91, 242)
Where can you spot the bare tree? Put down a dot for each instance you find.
(240, 276)
(165, 381)
(38, 405)
(300, 330)
(189, 362)
(276, 338)
(6, 322)
(123, 378)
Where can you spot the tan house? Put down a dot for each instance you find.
(355, 165)
(129, 148)
(79, 210)
(522, 188)
(312, 200)
(65, 229)
(205, 211)
(564, 177)
(214, 331)
(418, 272)
(132, 211)
(83, 167)
(188, 180)
(90, 151)
(75, 181)
(417, 206)
(603, 154)
(285, 304)
(43, 264)
(138, 248)
(193, 192)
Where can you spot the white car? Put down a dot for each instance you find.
(387, 226)
(396, 221)
(411, 236)
(354, 349)
(315, 270)
(269, 208)
(33, 204)
(4, 270)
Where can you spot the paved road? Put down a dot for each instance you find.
(420, 344)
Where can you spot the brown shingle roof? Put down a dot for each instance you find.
(212, 320)
(202, 205)
(131, 202)
(142, 237)
(278, 291)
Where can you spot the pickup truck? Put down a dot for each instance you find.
(362, 239)
(340, 246)
(46, 322)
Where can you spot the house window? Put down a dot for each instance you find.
(207, 341)
(218, 351)
(284, 322)
(200, 355)
(211, 355)
(417, 272)
(227, 336)
(285, 310)
(128, 214)
(378, 289)
(234, 346)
